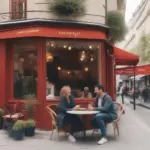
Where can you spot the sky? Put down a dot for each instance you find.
(131, 7)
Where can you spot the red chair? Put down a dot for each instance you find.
(13, 111)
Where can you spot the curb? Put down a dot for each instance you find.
(144, 106)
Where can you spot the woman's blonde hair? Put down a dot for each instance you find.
(63, 91)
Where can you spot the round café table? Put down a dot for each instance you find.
(83, 113)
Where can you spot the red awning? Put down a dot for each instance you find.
(139, 70)
(125, 58)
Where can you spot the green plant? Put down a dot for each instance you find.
(1, 112)
(19, 125)
(68, 7)
(29, 106)
(29, 123)
(115, 21)
(142, 49)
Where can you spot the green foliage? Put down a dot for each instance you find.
(115, 21)
(1, 112)
(29, 123)
(29, 106)
(19, 125)
(144, 48)
(67, 7)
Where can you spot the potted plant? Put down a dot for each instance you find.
(118, 29)
(1, 118)
(30, 123)
(69, 8)
(30, 127)
(18, 130)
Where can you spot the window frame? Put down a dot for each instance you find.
(16, 15)
(10, 70)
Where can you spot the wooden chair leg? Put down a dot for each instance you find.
(57, 133)
(117, 127)
(114, 128)
(52, 133)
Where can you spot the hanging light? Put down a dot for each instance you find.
(83, 56)
(65, 46)
(68, 72)
(69, 48)
(86, 69)
(52, 45)
(59, 68)
(49, 57)
(90, 46)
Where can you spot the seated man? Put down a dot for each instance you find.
(107, 112)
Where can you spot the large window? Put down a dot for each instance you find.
(18, 9)
(25, 70)
(73, 63)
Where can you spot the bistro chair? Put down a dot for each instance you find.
(115, 123)
(51, 110)
(12, 112)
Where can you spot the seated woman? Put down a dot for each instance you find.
(67, 103)
(86, 93)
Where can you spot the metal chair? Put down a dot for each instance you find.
(120, 110)
(53, 116)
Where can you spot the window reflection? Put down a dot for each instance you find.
(25, 71)
(71, 62)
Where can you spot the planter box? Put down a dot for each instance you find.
(18, 135)
(1, 123)
(9, 125)
(30, 131)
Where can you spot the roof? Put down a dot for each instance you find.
(53, 22)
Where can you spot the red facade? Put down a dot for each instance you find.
(39, 31)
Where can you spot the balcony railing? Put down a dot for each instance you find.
(49, 15)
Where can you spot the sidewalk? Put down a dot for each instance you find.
(139, 102)
(134, 135)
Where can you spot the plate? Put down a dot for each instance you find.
(82, 109)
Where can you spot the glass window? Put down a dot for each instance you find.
(19, 9)
(73, 63)
(25, 70)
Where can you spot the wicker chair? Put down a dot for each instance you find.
(51, 110)
(120, 110)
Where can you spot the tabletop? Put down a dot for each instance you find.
(85, 112)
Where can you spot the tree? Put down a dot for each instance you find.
(143, 48)
(115, 21)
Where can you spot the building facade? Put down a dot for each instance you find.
(137, 26)
(40, 53)
(33, 9)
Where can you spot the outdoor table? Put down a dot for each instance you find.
(83, 113)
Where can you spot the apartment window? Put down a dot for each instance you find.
(18, 9)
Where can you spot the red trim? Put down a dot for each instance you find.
(124, 58)
(53, 32)
(2, 72)
(10, 74)
(102, 70)
(140, 70)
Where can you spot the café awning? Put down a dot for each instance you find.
(123, 57)
(139, 70)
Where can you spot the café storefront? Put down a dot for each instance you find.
(39, 56)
